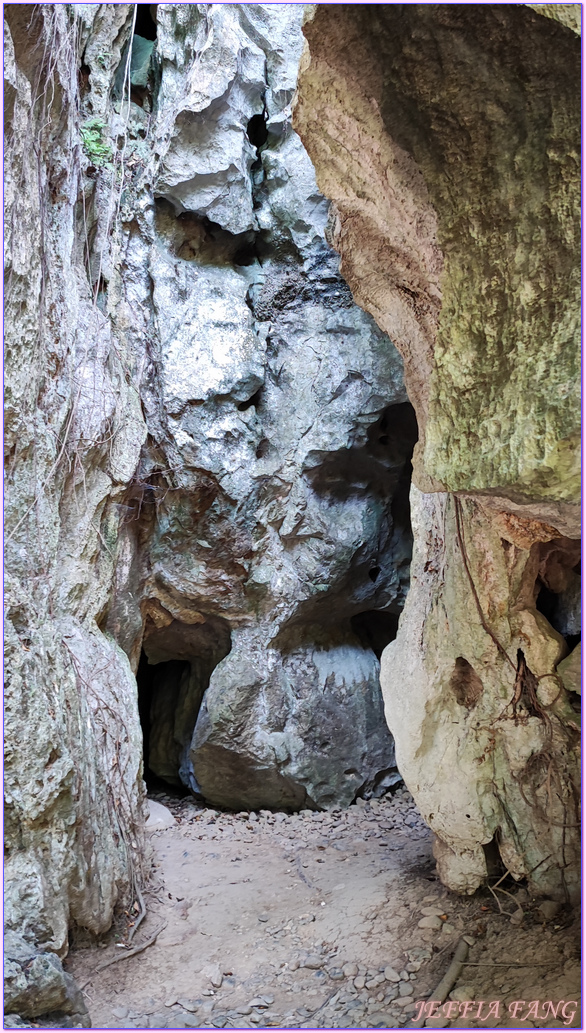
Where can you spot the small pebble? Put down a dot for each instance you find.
(186, 1004)
(335, 973)
(392, 975)
(187, 1020)
(350, 970)
(549, 909)
(462, 993)
(430, 922)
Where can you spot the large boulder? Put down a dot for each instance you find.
(292, 727)
(35, 985)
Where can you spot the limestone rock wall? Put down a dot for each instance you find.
(208, 454)
(270, 495)
(487, 711)
(447, 138)
(208, 441)
(73, 437)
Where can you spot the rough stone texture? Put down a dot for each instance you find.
(437, 96)
(208, 443)
(271, 495)
(568, 14)
(492, 720)
(205, 438)
(291, 729)
(35, 984)
(73, 436)
(446, 137)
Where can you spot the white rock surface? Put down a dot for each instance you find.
(160, 817)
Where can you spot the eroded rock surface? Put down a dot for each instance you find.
(208, 449)
(414, 109)
(447, 138)
(209, 442)
(488, 710)
(271, 495)
(74, 430)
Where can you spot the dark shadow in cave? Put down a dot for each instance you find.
(372, 591)
(174, 671)
(549, 604)
(149, 679)
(257, 131)
(373, 469)
(558, 587)
(375, 629)
(146, 21)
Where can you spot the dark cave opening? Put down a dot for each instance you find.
(146, 21)
(554, 607)
(152, 680)
(375, 629)
(257, 131)
(254, 400)
(173, 674)
(558, 588)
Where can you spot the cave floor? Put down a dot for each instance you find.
(289, 921)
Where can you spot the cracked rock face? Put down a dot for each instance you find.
(447, 139)
(74, 431)
(279, 439)
(208, 451)
(208, 442)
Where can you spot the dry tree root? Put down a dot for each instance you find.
(446, 984)
(142, 914)
(127, 954)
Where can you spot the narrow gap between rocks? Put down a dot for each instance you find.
(558, 588)
(146, 21)
(174, 671)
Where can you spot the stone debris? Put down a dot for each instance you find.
(549, 909)
(302, 977)
(430, 922)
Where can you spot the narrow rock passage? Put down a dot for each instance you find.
(328, 920)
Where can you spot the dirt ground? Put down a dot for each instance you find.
(314, 920)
